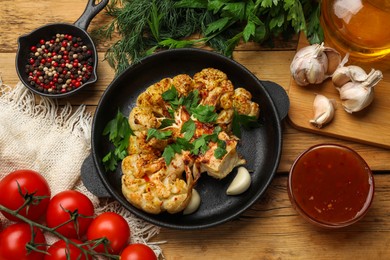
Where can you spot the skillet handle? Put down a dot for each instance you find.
(90, 12)
(91, 179)
(279, 96)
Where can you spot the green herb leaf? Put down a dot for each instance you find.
(191, 101)
(170, 95)
(110, 162)
(243, 120)
(192, 4)
(188, 129)
(166, 122)
(168, 154)
(205, 114)
(118, 131)
(249, 31)
(220, 152)
(160, 135)
(198, 144)
(184, 144)
(171, 150)
(154, 22)
(218, 25)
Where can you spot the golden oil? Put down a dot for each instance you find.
(359, 27)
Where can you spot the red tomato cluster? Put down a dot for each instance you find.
(70, 213)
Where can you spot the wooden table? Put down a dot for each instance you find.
(270, 229)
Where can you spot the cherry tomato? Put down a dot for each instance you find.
(61, 251)
(13, 241)
(114, 228)
(61, 208)
(138, 252)
(32, 185)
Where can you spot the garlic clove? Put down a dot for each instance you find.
(341, 76)
(324, 109)
(355, 97)
(357, 74)
(194, 203)
(315, 73)
(240, 183)
(334, 60)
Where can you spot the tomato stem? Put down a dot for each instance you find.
(32, 246)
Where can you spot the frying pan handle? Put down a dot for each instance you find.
(90, 12)
(91, 179)
(279, 96)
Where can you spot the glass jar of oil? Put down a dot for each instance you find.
(358, 27)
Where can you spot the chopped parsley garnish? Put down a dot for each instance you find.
(160, 135)
(243, 120)
(166, 122)
(205, 114)
(221, 149)
(118, 131)
(188, 129)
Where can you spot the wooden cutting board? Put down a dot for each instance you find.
(369, 126)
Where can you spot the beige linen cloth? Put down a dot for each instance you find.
(53, 141)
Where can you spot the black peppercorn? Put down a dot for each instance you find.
(62, 58)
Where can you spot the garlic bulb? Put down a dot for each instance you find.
(323, 110)
(357, 95)
(313, 64)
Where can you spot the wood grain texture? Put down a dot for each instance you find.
(270, 229)
(370, 126)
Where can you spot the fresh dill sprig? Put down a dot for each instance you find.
(145, 26)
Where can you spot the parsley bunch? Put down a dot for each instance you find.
(145, 26)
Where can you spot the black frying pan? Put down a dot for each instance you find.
(261, 146)
(78, 29)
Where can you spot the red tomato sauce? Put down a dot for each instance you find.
(331, 184)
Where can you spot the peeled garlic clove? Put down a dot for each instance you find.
(309, 65)
(323, 110)
(240, 183)
(194, 203)
(334, 60)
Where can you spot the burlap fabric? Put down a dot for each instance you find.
(54, 141)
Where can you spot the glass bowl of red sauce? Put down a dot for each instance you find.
(331, 185)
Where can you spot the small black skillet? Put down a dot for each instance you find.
(78, 29)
